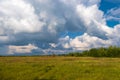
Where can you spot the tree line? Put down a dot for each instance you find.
(111, 51)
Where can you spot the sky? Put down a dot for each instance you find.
(58, 26)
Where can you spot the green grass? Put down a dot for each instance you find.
(59, 68)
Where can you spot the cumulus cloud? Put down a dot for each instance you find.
(18, 16)
(85, 42)
(43, 22)
(21, 49)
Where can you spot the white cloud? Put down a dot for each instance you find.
(18, 16)
(114, 36)
(113, 14)
(94, 21)
(41, 22)
(89, 14)
(65, 42)
(84, 42)
(21, 49)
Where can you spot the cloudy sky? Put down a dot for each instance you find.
(47, 26)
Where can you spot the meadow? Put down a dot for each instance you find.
(59, 68)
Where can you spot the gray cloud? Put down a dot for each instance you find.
(38, 22)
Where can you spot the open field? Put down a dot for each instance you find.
(59, 68)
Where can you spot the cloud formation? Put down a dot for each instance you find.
(21, 49)
(43, 22)
(113, 14)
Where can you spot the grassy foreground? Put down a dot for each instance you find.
(59, 68)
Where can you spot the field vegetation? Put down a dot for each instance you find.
(59, 68)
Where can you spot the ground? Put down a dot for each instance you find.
(59, 68)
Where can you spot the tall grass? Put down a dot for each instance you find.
(59, 68)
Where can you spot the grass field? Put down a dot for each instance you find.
(59, 68)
